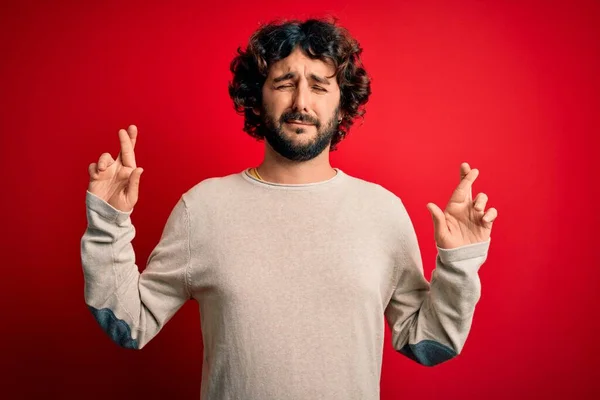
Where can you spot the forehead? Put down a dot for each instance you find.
(300, 63)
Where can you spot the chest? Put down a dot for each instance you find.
(262, 260)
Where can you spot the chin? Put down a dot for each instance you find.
(301, 130)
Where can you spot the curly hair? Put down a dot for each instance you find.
(319, 39)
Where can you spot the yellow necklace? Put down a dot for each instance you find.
(255, 170)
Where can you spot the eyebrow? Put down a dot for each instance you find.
(292, 75)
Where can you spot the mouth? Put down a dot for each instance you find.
(294, 122)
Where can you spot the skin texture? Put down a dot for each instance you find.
(308, 94)
(117, 181)
(464, 221)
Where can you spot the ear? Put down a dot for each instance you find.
(256, 111)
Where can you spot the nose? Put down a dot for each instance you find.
(301, 98)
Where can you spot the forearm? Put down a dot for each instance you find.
(446, 314)
(110, 273)
(442, 311)
(132, 307)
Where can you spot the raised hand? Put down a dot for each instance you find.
(117, 181)
(464, 221)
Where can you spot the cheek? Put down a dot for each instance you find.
(327, 107)
(274, 105)
(327, 112)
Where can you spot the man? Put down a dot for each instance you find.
(295, 265)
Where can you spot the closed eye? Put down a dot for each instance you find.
(318, 88)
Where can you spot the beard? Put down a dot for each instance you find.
(295, 150)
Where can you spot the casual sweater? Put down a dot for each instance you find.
(294, 282)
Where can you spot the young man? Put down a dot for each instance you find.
(295, 265)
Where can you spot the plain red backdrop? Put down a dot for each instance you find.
(510, 87)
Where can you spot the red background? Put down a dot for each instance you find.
(510, 87)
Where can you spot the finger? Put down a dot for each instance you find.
(92, 170)
(439, 219)
(134, 185)
(464, 188)
(490, 216)
(104, 161)
(132, 131)
(465, 168)
(480, 202)
(127, 155)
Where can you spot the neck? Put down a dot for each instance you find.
(277, 169)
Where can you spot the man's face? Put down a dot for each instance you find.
(300, 109)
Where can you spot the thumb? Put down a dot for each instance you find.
(438, 217)
(134, 185)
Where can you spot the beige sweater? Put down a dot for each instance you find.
(294, 284)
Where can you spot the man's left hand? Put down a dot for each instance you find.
(464, 221)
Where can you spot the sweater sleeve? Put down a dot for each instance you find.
(132, 307)
(430, 322)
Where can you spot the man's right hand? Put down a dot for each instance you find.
(117, 181)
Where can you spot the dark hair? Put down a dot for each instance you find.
(318, 39)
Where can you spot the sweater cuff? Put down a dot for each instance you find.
(465, 252)
(105, 210)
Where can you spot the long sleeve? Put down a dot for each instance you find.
(132, 307)
(430, 322)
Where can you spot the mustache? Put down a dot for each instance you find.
(296, 116)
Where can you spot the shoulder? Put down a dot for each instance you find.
(211, 189)
(376, 194)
